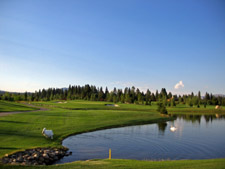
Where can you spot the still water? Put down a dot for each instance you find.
(195, 137)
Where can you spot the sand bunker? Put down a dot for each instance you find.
(112, 105)
(61, 102)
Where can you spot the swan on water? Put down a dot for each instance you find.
(172, 128)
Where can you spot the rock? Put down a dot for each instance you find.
(35, 163)
(23, 163)
(47, 161)
(30, 158)
(45, 156)
(25, 156)
(19, 159)
(56, 158)
(51, 155)
(38, 156)
(46, 151)
(41, 159)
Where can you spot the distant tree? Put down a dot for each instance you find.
(114, 99)
(163, 93)
(140, 98)
(122, 98)
(148, 96)
(153, 98)
(192, 94)
(190, 103)
(156, 95)
(199, 95)
(172, 102)
(101, 95)
(25, 96)
(170, 95)
(146, 102)
(207, 97)
(205, 104)
(161, 108)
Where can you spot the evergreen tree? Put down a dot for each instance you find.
(161, 108)
(199, 95)
(25, 96)
(172, 102)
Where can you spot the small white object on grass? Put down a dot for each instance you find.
(47, 133)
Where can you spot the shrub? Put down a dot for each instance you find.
(162, 108)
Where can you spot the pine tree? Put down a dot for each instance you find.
(25, 96)
(162, 108)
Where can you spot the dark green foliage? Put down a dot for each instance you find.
(190, 104)
(205, 104)
(161, 108)
(173, 103)
(128, 95)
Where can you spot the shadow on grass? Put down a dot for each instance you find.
(18, 122)
(8, 148)
(17, 133)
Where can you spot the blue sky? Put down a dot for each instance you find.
(148, 44)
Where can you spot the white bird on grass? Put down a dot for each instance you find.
(47, 133)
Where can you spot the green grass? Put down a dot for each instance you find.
(184, 109)
(22, 131)
(91, 105)
(6, 106)
(130, 164)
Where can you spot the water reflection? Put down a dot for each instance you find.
(198, 118)
(162, 127)
(195, 137)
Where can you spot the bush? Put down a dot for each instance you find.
(162, 108)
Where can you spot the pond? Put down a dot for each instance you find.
(195, 137)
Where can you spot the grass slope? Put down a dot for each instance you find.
(6, 106)
(22, 131)
(129, 164)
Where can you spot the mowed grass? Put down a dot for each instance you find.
(6, 106)
(94, 105)
(23, 131)
(132, 164)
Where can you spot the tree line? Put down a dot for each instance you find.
(128, 95)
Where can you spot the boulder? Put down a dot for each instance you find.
(38, 156)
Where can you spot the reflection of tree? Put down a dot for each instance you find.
(162, 127)
(191, 118)
(197, 118)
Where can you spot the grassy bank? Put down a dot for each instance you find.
(23, 131)
(6, 106)
(128, 164)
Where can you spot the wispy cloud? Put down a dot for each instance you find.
(179, 85)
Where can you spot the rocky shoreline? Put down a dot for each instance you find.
(37, 156)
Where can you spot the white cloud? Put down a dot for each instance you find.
(179, 85)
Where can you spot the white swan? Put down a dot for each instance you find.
(172, 128)
(47, 133)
